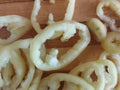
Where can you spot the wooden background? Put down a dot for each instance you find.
(84, 10)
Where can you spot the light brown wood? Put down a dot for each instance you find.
(84, 10)
(12, 1)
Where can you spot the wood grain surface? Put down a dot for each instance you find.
(84, 10)
(12, 1)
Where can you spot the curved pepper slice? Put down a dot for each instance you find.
(36, 80)
(25, 84)
(6, 53)
(51, 61)
(56, 78)
(110, 73)
(97, 28)
(37, 5)
(111, 43)
(85, 71)
(16, 25)
(19, 66)
(114, 5)
(115, 58)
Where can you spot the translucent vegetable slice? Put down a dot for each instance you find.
(16, 25)
(56, 78)
(51, 61)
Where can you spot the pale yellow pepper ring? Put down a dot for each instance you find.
(110, 73)
(111, 43)
(97, 28)
(53, 82)
(86, 70)
(51, 61)
(16, 25)
(114, 5)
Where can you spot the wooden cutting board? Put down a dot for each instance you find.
(84, 10)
